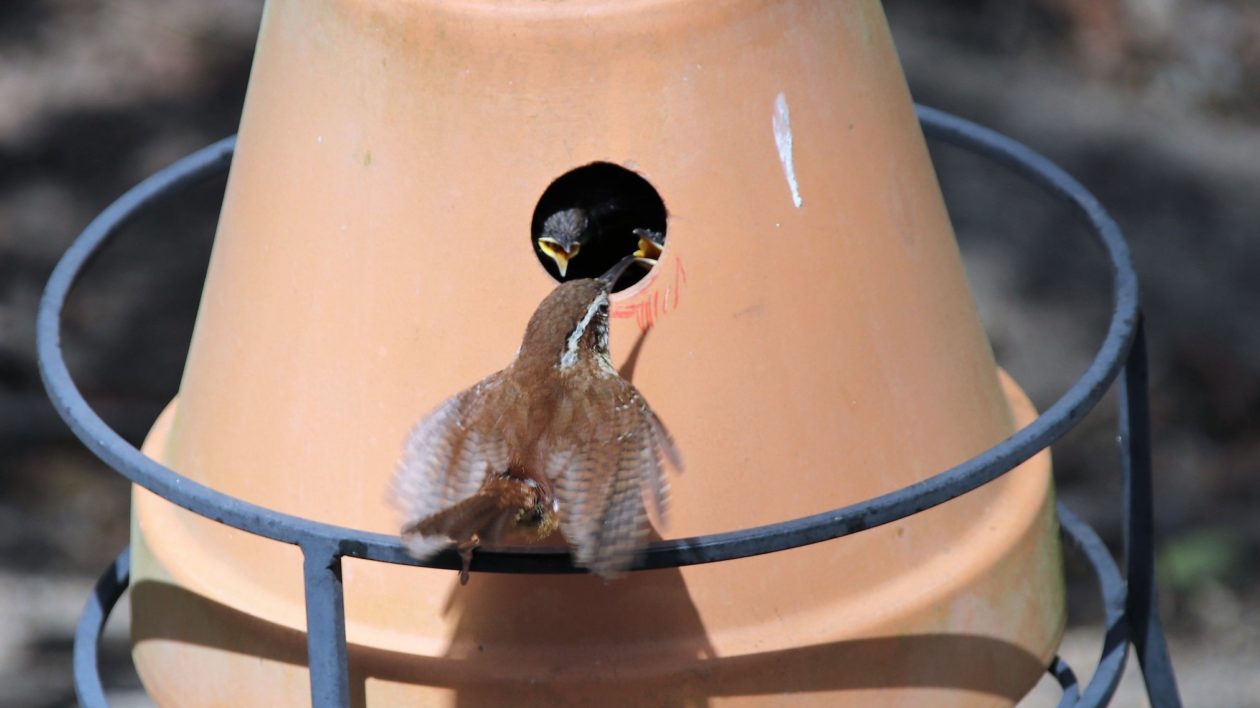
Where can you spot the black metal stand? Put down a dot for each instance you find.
(1130, 604)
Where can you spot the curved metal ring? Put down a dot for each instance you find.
(1115, 649)
(87, 635)
(110, 587)
(1047, 428)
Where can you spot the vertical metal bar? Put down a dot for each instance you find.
(1142, 602)
(326, 626)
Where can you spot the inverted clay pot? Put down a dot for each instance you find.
(808, 336)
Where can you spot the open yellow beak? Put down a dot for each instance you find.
(647, 249)
(558, 253)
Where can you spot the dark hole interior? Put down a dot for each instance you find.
(598, 213)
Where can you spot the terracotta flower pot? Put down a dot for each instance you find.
(813, 343)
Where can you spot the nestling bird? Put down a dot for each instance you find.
(557, 439)
(564, 233)
(651, 243)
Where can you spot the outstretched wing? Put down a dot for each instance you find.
(446, 458)
(608, 476)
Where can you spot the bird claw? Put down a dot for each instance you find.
(465, 555)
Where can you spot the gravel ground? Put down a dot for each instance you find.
(1151, 104)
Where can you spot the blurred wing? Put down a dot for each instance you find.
(609, 479)
(446, 458)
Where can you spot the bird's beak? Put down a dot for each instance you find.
(648, 250)
(558, 253)
(648, 247)
(612, 275)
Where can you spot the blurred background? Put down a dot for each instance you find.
(1153, 104)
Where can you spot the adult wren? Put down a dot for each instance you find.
(558, 439)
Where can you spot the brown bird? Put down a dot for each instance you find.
(557, 439)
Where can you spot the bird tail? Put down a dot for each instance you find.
(497, 508)
(462, 525)
(458, 524)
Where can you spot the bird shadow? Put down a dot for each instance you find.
(632, 359)
(617, 628)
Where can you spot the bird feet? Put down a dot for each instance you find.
(465, 554)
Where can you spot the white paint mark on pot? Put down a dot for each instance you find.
(783, 141)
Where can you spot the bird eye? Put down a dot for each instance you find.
(603, 308)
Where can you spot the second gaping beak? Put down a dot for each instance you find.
(558, 253)
(650, 244)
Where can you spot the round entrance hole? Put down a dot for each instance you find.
(591, 217)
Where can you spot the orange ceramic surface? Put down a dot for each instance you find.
(813, 342)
